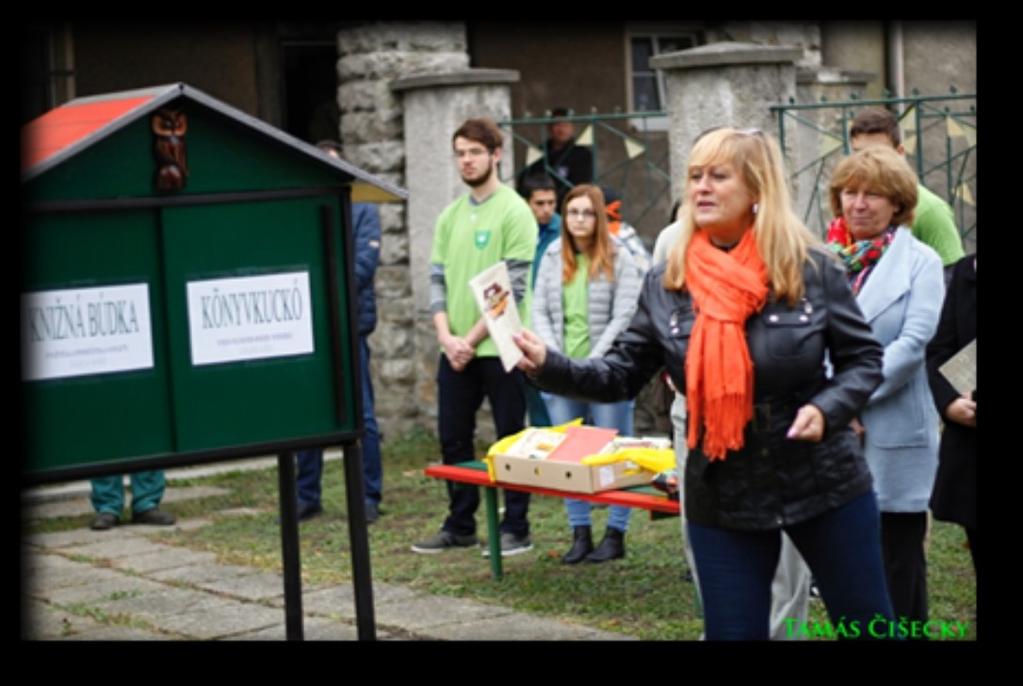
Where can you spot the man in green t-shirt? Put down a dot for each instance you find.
(488, 224)
(933, 219)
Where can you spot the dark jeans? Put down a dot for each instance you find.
(905, 565)
(310, 462)
(842, 548)
(459, 396)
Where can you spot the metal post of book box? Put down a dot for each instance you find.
(187, 296)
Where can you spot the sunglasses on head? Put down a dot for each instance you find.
(744, 132)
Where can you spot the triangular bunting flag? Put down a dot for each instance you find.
(954, 130)
(633, 149)
(533, 154)
(963, 129)
(971, 135)
(964, 192)
(829, 144)
(909, 142)
(586, 137)
(907, 122)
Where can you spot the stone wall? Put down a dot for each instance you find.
(372, 132)
(938, 56)
(859, 46)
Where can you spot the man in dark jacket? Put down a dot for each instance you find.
(366, 223)
(569, 164)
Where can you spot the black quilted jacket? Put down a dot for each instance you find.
(772, 481)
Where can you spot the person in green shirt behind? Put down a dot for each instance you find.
(933, 222)
(488, 224)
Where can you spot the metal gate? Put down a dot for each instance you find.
(630, 158)
(939, 133)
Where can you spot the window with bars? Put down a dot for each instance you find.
(648, 90)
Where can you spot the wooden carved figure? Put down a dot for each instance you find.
(169, 127)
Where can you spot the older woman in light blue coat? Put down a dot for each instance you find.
(899, 285)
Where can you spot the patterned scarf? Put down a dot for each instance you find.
(859, 257)
(726, 287)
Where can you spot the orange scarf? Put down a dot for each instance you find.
(614, 216)
(726, 287)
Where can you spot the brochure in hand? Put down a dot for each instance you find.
(961, 369)
(493, 293)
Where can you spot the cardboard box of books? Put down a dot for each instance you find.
(542, 457)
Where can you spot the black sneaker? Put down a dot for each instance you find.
(307, 511)
(104, 521)
(154, 516)
(372, 512)
(512, 545)
(443, 541)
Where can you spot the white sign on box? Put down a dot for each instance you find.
(250, 318)
(85, 331)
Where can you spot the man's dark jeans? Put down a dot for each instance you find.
(459, 396)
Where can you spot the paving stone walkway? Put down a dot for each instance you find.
(121, 585)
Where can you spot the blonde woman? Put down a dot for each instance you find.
(742, 316)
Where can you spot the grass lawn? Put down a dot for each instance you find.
(643, 595)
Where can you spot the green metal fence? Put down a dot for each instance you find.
(630, 156)
(939, 133)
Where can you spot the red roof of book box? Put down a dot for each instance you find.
(60, 128)
(64, 131)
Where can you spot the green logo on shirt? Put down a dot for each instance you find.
(482, 238)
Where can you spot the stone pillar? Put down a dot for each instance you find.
(810, 146)
(723, 84)
(370, 57)
(435, 105)
(805, 35)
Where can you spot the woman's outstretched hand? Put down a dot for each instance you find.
(533, 349)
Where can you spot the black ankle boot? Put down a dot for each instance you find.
(611, 548)
(582, 545)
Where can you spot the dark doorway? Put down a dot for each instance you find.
(310, 87)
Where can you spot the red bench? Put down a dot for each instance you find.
(642, 497)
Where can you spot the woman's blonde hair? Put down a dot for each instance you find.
(601, 251)
(783, 240)
(878, 169)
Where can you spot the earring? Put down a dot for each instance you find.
(756, 207)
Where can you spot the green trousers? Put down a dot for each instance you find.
(146, 492)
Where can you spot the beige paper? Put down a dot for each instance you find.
(961, 370)
(492, 290)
